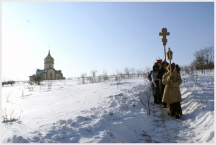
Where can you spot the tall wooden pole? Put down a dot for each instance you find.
(170, 61)
(165, 54)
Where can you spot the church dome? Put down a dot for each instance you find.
(49, 58)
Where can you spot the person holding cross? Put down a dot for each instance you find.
(161, 72)
(172, 94)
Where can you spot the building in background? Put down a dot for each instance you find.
(48, 73)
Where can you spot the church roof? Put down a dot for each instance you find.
(49, 57)
(58, 71)
(38, 72)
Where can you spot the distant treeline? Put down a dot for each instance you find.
(203, 60)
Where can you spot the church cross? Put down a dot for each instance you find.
(164, 33)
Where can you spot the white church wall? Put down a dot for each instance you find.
(43, 76)
(48, 65)
(51, 74)
(58, 76)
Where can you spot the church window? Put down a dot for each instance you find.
(50, 74)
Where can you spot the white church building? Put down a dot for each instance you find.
(48, 73)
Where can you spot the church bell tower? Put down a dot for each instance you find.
(48, 61)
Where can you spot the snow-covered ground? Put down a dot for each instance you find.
(69, 112)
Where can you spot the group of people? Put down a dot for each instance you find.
(165, 80)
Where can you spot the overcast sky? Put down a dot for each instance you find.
(106, 36)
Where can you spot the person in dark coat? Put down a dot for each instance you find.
(178, 68)
(172, 94)
(155, 84)
(160, 74)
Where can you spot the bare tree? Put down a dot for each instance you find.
(146, 71)
(132, 70)
(105, 76)
(188, 69)
(127, 72)
(118, 77)
(199, 60)
(140, 73)
(83, 76)
(37, 79)
(146, 101)
(209, 57)
(204, 59)
(93, 77)
(49, 84)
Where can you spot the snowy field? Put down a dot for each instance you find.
(69, 112)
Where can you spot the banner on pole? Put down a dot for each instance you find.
(170, 54)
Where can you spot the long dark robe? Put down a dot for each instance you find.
(174, 109)
(156, 94)
(161, 72)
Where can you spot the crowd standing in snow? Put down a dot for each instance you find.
(165, 81)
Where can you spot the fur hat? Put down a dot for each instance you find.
(177, 67)
(164, 63)
(155, 67)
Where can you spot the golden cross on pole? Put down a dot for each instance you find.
(164, 33)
